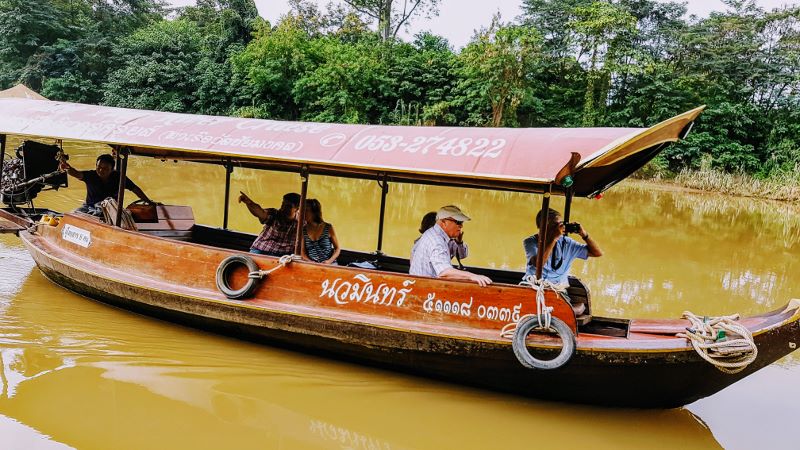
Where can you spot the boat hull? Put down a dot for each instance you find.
(646, 378)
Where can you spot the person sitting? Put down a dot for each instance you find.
(101, 183)
(319, 238)
(458, 248)
(277, 238)
(430, 255)
(559, 249)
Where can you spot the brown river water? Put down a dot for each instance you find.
(78, 374)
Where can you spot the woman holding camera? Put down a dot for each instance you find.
(559, 249)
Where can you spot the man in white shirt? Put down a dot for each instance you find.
(430, 256)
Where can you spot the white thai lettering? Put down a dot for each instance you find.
(362, 290)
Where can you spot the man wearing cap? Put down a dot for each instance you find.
(430, 256)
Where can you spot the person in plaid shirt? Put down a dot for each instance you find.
(280, 225)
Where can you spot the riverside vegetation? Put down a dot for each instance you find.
(562, 63)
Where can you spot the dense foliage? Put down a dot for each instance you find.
(562, 63)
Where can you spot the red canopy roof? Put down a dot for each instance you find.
(515, 158)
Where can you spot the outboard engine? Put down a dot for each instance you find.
(35, 168)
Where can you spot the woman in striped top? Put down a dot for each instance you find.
(320, 243)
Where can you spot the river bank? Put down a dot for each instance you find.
(785, 188)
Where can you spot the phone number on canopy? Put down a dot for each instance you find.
(478, 148)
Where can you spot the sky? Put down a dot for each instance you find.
(458, 19)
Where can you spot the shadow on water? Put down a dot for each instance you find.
(92, 376)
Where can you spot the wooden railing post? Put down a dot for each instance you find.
(298, 242)
(543, 231)
(228, 171)
(384, 184)
(122, 164)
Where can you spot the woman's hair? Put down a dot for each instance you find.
(428, 220)
(315, 208)
(290, 200)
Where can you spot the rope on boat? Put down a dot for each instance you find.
(283, 261)
(543, 319)
(543, 312)
(228, 264)
(722, 341)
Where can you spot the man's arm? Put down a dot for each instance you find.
(254, 208)
(140, 193)
(455, 274)
(64, 166)
(591, 246)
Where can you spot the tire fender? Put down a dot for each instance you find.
(518, 343)
(224, 270)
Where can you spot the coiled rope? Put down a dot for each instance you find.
(543, 312)
(722, 341)
(283, 261)
(543, 319)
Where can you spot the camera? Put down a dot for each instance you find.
(572, 227)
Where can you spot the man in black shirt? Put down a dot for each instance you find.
(101, 183)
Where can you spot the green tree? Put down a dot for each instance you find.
(494, 67)
(604, 31)
(349, 85)
(158, 68)
(392, 15)
(422, 77)
(25, 27)
(270, 66)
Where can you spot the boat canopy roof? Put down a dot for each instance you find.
(21, 91)
(520, 159)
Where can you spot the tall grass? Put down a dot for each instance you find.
(783, 185)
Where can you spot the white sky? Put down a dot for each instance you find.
(458, 19)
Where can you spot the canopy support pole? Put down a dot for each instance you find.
(301, 219)
(543, 231)
(383, 182)
(568, 194)
(122, 164)
(2, 153)
(228, 171)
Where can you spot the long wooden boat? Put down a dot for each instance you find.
(449, 330)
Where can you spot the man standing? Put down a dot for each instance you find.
(430, 256)
(559, 250)
(101, 183)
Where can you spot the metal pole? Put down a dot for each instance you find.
(122, 163)
(384, 184)
(2, 153)
(298, 241)
(228, 171)
(543, 232)
(568, 203)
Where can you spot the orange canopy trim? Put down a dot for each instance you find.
(512, 158)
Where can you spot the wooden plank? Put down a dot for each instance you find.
(7, 226)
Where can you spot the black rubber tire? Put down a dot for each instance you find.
(518, 343)
(224, 270)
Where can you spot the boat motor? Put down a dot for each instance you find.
(34, 169)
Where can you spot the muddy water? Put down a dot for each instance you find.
(78, 374)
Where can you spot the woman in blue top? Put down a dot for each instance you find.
(559, 250)
(320, 242)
